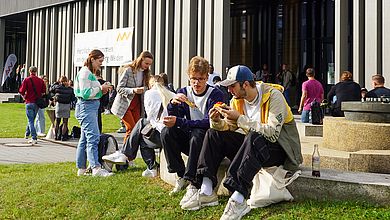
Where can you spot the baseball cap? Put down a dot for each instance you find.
(237, 73)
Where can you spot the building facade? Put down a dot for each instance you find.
(330, 35)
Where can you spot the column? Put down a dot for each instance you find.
(341, 37)
(221, 53)
(386, 41)
(358, 41)
(373, 35)
(2, 45)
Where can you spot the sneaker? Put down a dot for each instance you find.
(180, 185)
(107, 112)
(101, 172)
(131, 163)
(149, 173)
(81, 172)
(32, 141)
(115, 158)
(198, 201)
(41, 135)
(191, 191)
(235, 210)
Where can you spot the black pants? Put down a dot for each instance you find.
(137, 140)
(248, 154)
(176, 141)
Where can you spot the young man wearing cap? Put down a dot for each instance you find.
(188, 122)
(258, 130)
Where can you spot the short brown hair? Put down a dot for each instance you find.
(379, 79)
(198, 65)
(310, 72)
(345, 76)
(33, 69)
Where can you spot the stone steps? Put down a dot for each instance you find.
(10, 98)
(373, 161)
(331, 186)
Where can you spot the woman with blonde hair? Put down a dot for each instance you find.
(130, 89)
(345, 90)
(88, 91)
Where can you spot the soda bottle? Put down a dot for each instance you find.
(315, 162)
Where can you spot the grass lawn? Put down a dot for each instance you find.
(53, 191)
(13, 121)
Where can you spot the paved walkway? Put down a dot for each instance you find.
(18, 151)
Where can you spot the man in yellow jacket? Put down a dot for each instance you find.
(258, 130)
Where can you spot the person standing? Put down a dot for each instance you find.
(63, 97)
(378, 82)
(311, 90)
(285, 79)
(88, 90)
(40, 122)
(31, 89)
(188, 122)
(128, 103)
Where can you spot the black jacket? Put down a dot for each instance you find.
(344, 91)
(62, 94)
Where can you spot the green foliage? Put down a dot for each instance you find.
(53, 191)
(13, 121)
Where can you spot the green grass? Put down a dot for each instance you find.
(13, 121)
(53, 191)
(50, 191)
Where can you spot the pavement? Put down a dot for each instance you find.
(18, 151)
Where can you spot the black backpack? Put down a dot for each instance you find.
(108, 145)
(316, 113)
(76, 132)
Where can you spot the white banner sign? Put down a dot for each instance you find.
(115, 44)
(9, 65)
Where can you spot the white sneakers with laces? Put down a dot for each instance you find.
(235, 210)
(101, 172)
(180, 185)
(149, 173)
(115, 158)
(191, 191)
(199, 200)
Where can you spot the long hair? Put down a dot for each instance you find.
(95, 54)
(136, 64)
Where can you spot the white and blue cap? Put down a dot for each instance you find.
(237, 73)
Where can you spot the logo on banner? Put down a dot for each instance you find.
(8, 67)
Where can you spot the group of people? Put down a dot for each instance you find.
(257, 129)
(345, 90)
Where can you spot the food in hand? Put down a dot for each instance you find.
(189, 103)
(220, 105)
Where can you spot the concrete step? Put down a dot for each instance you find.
(308, 129)
(10, 98)
(332, 185)
(372, 161)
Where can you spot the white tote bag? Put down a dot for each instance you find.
(269, 186)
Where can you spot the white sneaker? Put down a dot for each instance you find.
(191, 191)
(149, 173)
(115, 158)
(235, 210)
(41, 135)
(81, 172)
(180, 185)
(199, 200)
(101, 172)
(32, 141)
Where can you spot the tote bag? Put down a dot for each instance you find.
(269, 186)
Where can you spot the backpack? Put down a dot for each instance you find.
(316, 113)
(108, 145)
(76, 132)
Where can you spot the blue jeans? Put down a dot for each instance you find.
(40, 122)
(305, 116)
(86, 113)
(286, 94)
(31, 112)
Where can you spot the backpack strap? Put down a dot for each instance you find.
(160, 112)
(35, 91)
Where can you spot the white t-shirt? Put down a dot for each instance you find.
(152, 102)
(211, 77)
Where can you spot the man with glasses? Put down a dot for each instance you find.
(188, 122)
(257, 130)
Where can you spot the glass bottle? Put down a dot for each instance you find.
(315, 162)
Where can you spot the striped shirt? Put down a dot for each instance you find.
(86, 86)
